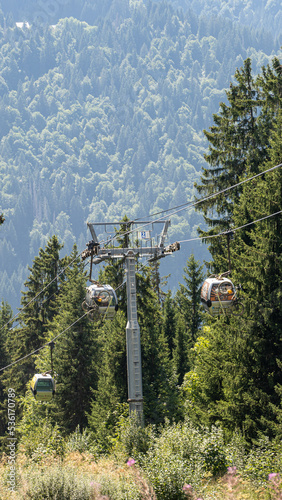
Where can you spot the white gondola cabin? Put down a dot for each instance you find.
(217, 294)
(100, 299)
(43, 387)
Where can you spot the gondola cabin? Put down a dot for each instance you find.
(101, 299)
(217, 295)
(43, 387)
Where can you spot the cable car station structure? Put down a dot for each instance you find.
(98, 254)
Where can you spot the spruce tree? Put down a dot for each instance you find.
(39, 304)
(188, 296)
(159, 384)
(169, 312)
(237, 146)
(261, 273)
(74, 352)
(237, 365)
(110, 391)
(182, 346)
(158, 376)
(236, 378)
(232, 138)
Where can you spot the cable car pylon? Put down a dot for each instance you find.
(99, 254)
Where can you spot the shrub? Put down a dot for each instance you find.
(58, 484)
(131, 438)
(39, 436)
(183, 454)
(174, 459)
(214, 459)
(262, 460)
(79, 441)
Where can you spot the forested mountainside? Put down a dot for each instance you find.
(212, 383)
(128, 115)
(259, 14)
(103, 116)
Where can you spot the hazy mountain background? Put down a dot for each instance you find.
(102, 108)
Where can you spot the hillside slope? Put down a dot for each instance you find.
(105, 118)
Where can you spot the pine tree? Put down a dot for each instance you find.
(188, 296)
(262, 272)
(169, 321)
(159, 384)
(39, 303)
(236, 378)
(182, 346)
(237, 147)
(269, 83)
(110, 391)
(74, 352)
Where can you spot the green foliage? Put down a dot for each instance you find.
(111, 388)
(79, 441)
(236, 377)
(132, 439)
(214, 459)
(122, 488)
(39, 305)
(144, 143)
(56, 483)
(39, 436)
(120, 134)
(74, 352)
(188, 296)
(263, 459)
(182, 454)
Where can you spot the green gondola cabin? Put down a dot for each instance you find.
(43, 387)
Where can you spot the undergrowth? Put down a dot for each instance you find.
(178, 461)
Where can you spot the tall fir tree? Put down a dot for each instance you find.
(188, 296)
(39, 305)
(110, 392)
(236, 379)
(169, 312)
(237, 146)
(181, 349)
(74, 352)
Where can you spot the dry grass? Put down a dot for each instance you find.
(230, 487)
(95, 473)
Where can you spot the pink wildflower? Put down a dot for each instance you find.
(130, 462)
(187, 487)
(232, 470)
(273, 476)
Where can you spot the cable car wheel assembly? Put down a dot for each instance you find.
(100, 300)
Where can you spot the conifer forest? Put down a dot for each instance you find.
(134, 115)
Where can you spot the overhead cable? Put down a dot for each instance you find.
(232, 230)
(42, 347)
